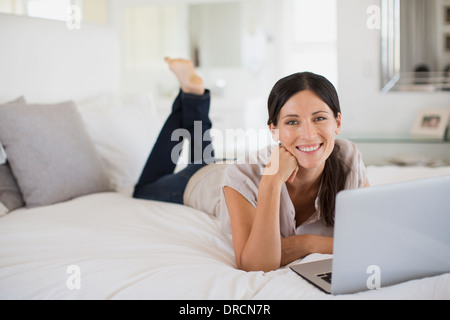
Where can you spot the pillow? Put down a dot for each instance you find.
(50, 153)
(2, 155)
(10, 195)
(123, 131)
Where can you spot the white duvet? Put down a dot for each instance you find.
(110, 246)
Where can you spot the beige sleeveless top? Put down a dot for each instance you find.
(205, 189)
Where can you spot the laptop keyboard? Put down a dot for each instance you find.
(325, 276)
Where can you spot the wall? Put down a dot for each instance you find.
(366, 111)
(95, 11)
(216, 40)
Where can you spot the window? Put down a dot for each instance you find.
(62, 10)
(49, 9)
(312, 38)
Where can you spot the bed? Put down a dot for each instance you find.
(103, 244)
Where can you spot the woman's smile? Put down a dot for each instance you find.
(309, 148)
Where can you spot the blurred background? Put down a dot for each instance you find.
(242, 47)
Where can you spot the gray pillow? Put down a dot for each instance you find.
(10, 195)
(50, 153)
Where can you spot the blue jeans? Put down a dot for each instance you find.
(158, 180)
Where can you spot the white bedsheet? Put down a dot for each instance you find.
(134, 249)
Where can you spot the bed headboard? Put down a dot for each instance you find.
(47, 62)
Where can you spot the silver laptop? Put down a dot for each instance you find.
(386, 235)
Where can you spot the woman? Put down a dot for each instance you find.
(281, 207)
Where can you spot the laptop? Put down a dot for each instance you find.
(385, 235)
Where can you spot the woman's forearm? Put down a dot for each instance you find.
(263, 248)
(298, 247)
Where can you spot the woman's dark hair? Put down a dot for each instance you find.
(335, 172)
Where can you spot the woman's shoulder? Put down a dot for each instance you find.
(346, 145)
(348, 151)
(350, 155)
(251, 161)
(249, 167)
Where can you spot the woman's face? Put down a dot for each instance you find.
(306, 128)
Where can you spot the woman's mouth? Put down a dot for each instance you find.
(310, 148)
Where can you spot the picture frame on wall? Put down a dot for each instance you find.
(431, 124)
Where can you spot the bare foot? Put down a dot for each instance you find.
(190, 82)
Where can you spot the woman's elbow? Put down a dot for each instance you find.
(258, 269)
(265, 266)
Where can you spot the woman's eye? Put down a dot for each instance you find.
(291, 123)
(319, 119)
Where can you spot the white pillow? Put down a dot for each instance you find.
(123, 133)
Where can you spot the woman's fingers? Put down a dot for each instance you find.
(283, 164)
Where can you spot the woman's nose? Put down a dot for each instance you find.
(308, 131)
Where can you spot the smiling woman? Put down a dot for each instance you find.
(313, 103)
(278, 205)
(304, 116)
(305, 110)
(308, 128)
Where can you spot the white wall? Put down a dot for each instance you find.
(365, 110)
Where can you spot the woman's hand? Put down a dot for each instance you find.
(282, 164)
(300, 246)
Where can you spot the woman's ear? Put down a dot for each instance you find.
(338, 122)
(275, 133)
